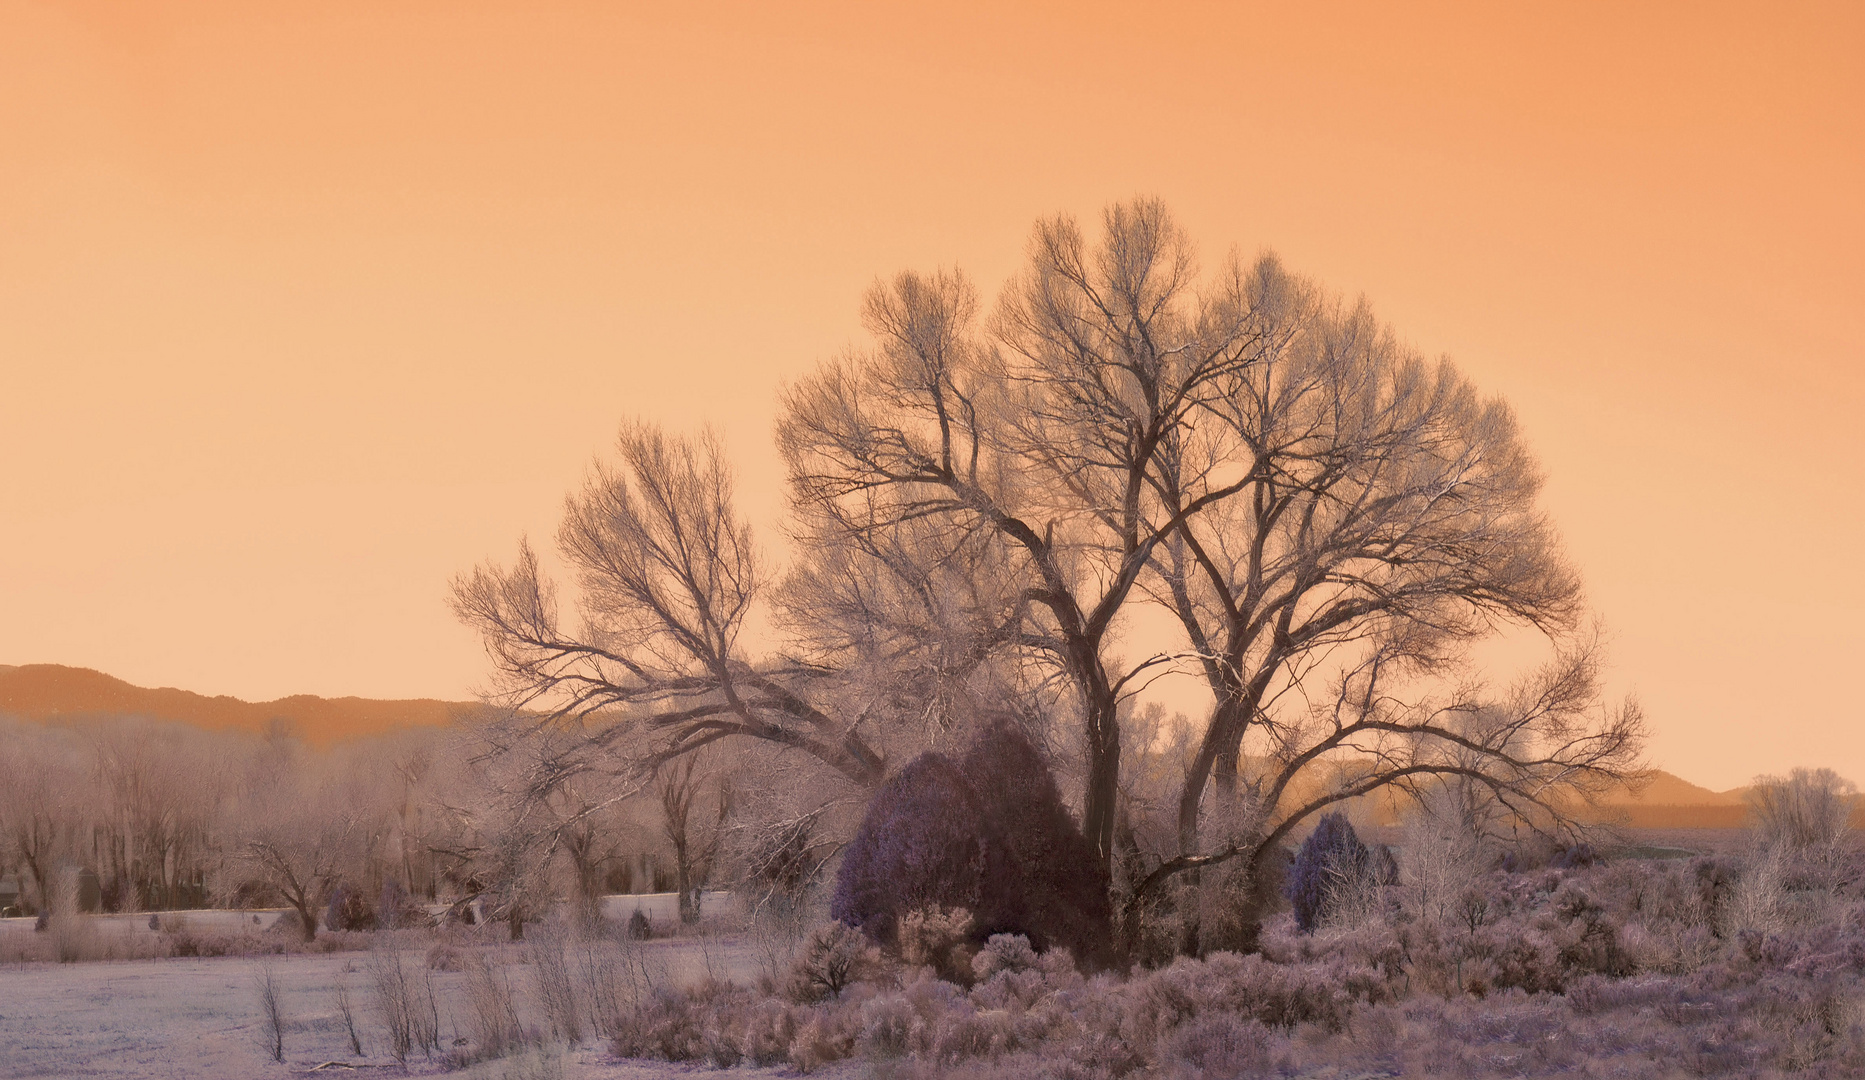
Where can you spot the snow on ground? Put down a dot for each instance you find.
(662, 910)
(200, 1018)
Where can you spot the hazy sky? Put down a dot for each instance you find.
(305, 307)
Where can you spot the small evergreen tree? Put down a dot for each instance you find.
(348, 909)
(924, 843)
(1063, 887)
(1331, 852)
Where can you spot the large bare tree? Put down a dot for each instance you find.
(1041, 437)
(42, 788)
(1331, 519)
(985, 500)
(303, 825)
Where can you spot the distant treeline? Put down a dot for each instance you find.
(130, 814)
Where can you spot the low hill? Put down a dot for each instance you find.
(1663, 789)
(53, 691)
(1664, 801)
(1658, 800)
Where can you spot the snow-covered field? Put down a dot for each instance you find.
(662, 909)
(201, 1018)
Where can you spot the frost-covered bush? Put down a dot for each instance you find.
(1608, 970)
(1061, 884)
(939, 939)
(834, 956)
(1575, 857)
(349, 909)
(1278, 995)
(1332, 853)
(714, 1022)
(1217, 1045)
(669, 1025)
(891, 1028)
(769, 1029)
(1806, 808)
(924, 843)
(396, 910)
(1006, 953)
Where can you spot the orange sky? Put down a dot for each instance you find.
(306, 306)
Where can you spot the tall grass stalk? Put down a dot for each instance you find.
(271, 1012)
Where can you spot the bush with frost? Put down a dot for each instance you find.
(924, 843)
(1332, 854)
(1061, 883)
(937, 938)
(834, 957)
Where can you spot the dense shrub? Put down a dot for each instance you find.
(396, 910)
(989, 835)
(670, 1026)
(924, 843)
(349, 910)
(769, 1029)
(1217, 1045)
(835, 956)
(1607, 970)
(1063, 885)
(1808, 807)
(891, 1028)
(938, 939)
(1332, 854)
(1575, 857)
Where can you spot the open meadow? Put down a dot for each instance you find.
(152, 1007)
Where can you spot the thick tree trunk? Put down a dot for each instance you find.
(683, 884)
(1099, 802)
(1216, 759)
(307, 920)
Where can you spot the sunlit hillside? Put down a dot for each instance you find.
(54, 691)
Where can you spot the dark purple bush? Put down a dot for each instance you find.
(1331, 850)
(1576, 857)
(1715, 882)
(396, 910)
(1064, 886)
(925, 842)
(349, 910)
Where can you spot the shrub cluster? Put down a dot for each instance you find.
(1712, 967)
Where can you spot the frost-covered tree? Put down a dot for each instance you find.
(986, 495)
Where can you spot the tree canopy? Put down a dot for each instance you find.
(983, 499)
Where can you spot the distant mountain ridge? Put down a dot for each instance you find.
(53, 691)
(45, 692)
(1664, 789)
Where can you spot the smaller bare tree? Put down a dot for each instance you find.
(542, 792)
(1807, 808)
(271, 1011)
(680, 784)
(40, 778)
(298, 834)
